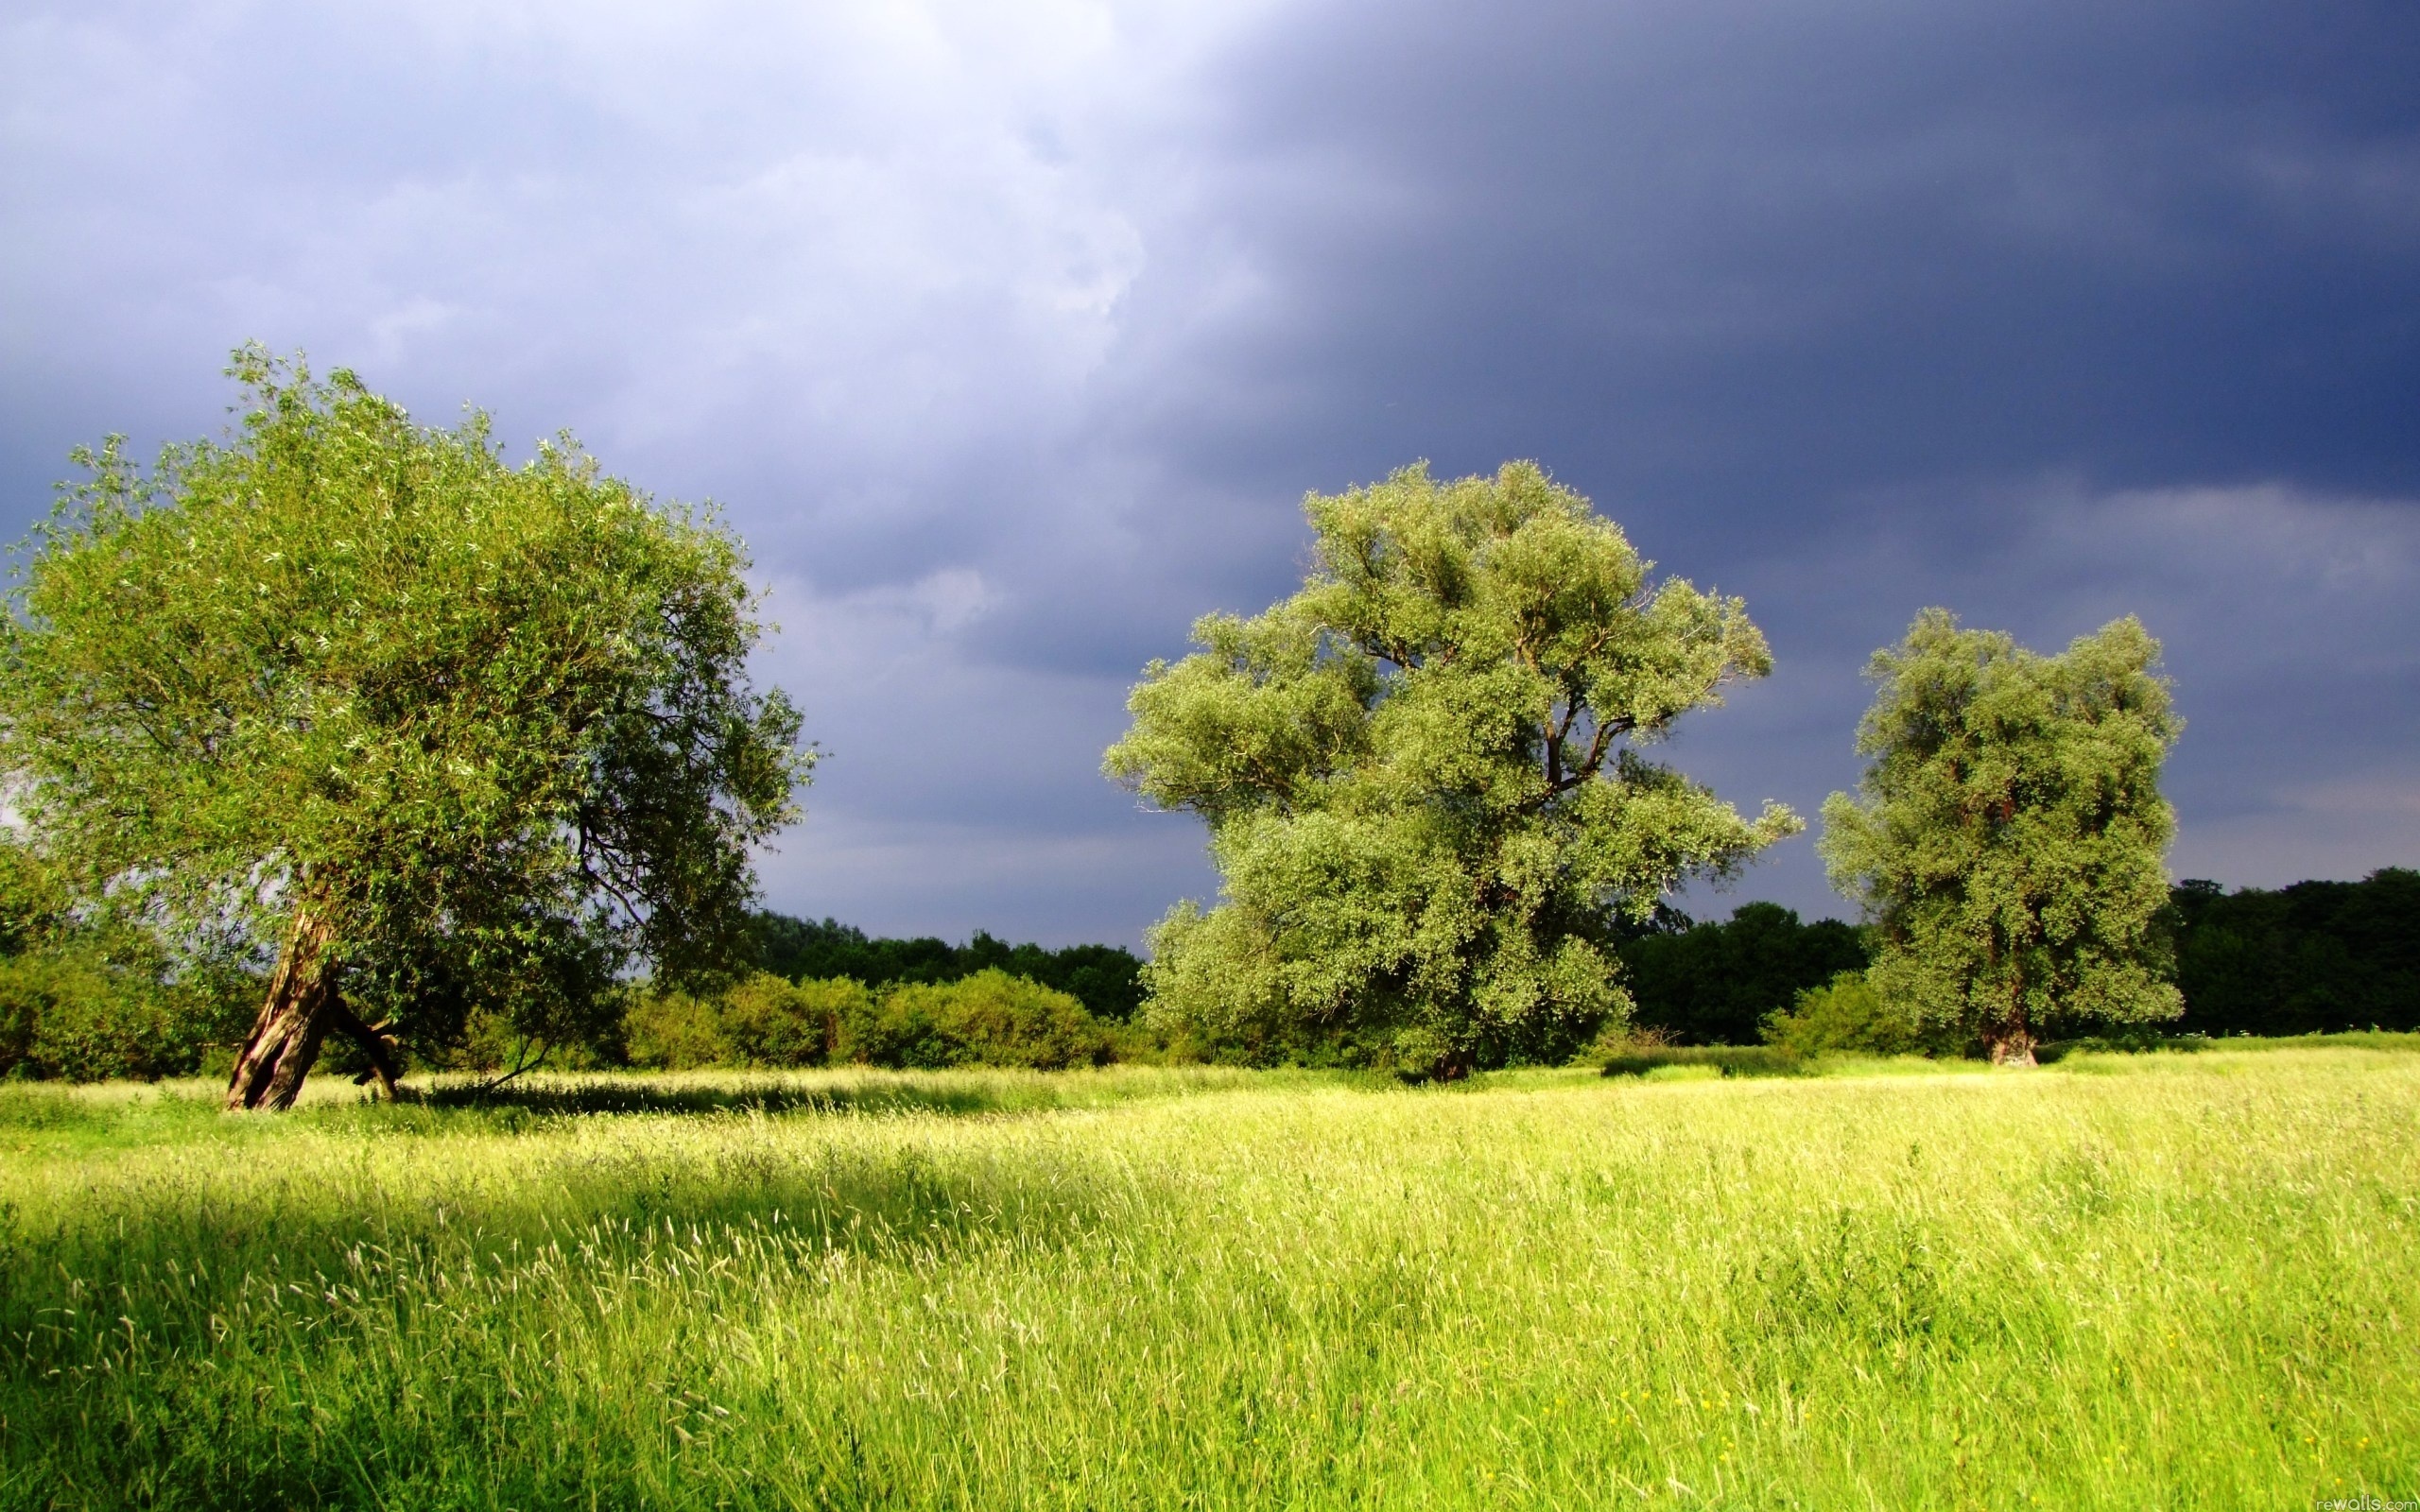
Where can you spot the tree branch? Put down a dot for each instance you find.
(376, 1042)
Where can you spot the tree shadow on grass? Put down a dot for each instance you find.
(1712, 1060)
(971, 1092)
(577, 1099)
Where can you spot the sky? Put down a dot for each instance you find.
(1010, 336)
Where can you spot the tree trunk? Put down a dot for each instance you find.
(2012, 1042)
(301, 1008)
(2011, 1046)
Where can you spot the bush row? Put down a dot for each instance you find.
(72, 1014)
(1107, 979)
(989, 1019)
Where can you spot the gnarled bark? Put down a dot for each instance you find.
(301, 1008)
(2011, 1046)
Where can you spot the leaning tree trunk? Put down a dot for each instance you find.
(301, 1007)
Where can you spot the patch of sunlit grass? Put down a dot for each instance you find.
(2186, 1285)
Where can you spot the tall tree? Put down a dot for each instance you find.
(1422, 776)
(442, 732)
(2009, 835)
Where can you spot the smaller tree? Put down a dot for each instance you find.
(1425, 779)
(1846, 1013)
(2009, 837)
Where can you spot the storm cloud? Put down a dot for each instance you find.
(1009, 337)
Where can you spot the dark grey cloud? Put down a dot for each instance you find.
(1010, 337)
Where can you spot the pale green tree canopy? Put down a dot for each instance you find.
(433, 725)
(2008, 840)
(1424, 776)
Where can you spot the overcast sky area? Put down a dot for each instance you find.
(1009, 337)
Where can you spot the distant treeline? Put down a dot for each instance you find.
(1106, 979)
(79, 999)
(2315, 957)
(1713, 984)
(2311, 958)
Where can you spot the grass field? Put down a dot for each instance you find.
(2159, 1281)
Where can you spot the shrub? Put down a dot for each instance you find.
(71, 1012)
(1107, 979)
(673, 1031)
(768, 1021)
(1661, 1062)
(92, 996)
(990, 1019)
(1847, 1013)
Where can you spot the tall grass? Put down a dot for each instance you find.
(2176, 1280)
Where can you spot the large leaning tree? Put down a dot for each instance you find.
(1424, 777)
(2008, 840)
(443, 735)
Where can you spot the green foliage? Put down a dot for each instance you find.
(1714, 984)
(2007, 837)
(71, 1012)
(1846, 1013)
(989, 1019)
(1423, 781)
(2310, 958)
(675, 1031)
(489, 724)
(93, 995)
(34, 909)
(1105, 978)
(765, 1021)
(986, 1019)
(772, 1021)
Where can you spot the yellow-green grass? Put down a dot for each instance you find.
(2120, 1281)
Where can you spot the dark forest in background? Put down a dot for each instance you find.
(2312, 958)
(1107, 979)
(1712, 984)
(2315, 957)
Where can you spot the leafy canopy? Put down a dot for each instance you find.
(489, 722)
(1423, 778)
(2009, 835)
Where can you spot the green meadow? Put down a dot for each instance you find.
(2161, 1281)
